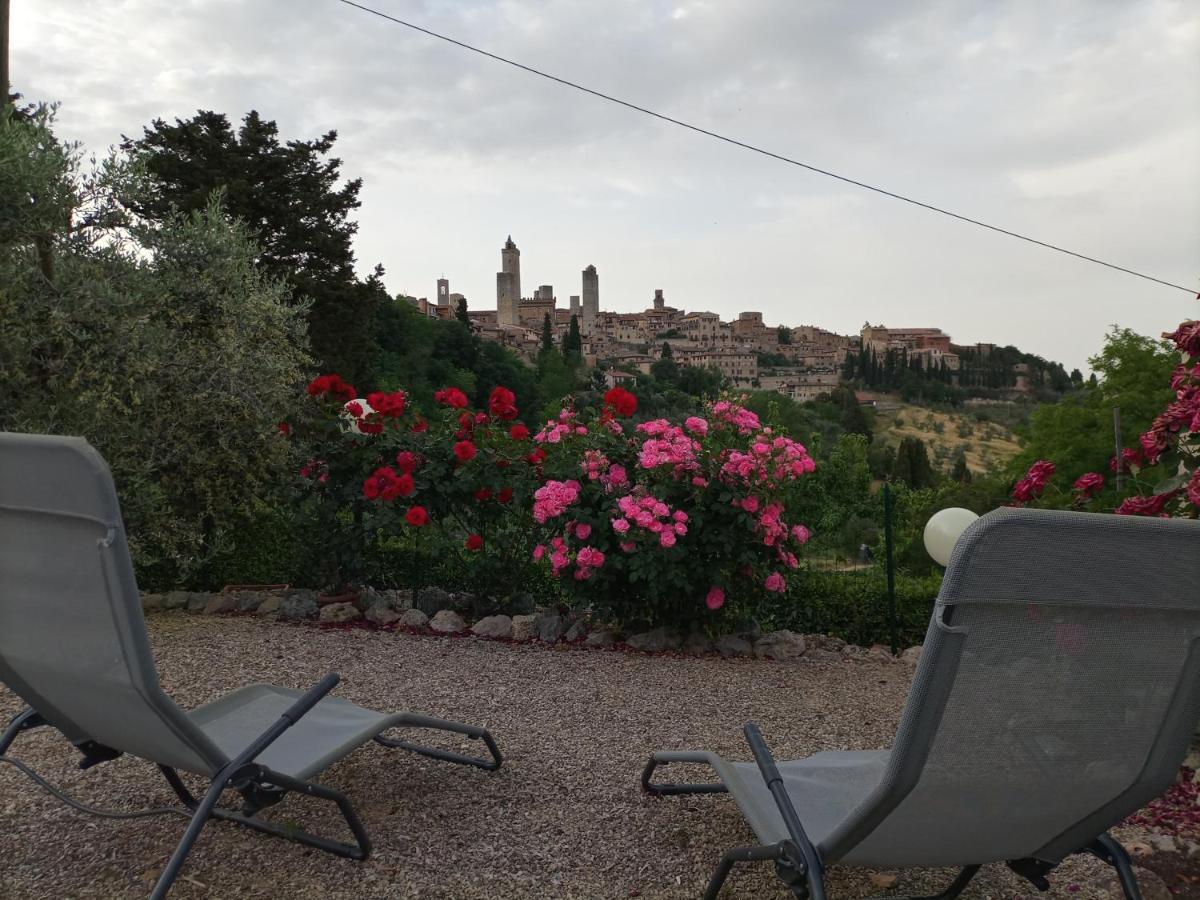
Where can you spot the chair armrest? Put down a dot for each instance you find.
(290, 716)
(810, 860)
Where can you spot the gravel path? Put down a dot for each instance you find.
(564, 817)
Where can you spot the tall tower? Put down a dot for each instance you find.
(508, 284)
(443, 291)
(659, 300)
(510, 263)
(574, 305)
(591, 294)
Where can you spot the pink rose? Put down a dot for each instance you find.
(715, 599)
(775, 583)
(667, 538)
(749, 504)
(582, 531)
(801, 534)
(620, 526)
(539, 551)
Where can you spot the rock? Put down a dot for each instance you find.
(523, 628)
(1162, 843)
(1138, 849)
(833, 644)
(697, 644)
(248, 601)
(175, 600)
(272, 604)
(431, 599)
(298, 605)
(340, 612)
(779, 645)
(399, 599)
(577, 631)
(880, 653)
(447, 621)
(654, 641)
(912, 655)
(493, 627)
(731, 645)
(197, 601)
(1152, 884)
(853, 651)
(412, 618)
(153, 601)
(600, 639)
(884, 880)
(382, 614)
(549, 628)
(220, 603)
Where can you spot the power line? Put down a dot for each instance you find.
(760, 150)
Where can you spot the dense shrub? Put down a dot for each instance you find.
(854, 605)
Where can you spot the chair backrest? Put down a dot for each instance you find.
(73, 643)
(1057, 692)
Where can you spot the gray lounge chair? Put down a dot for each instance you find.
(1056, 694)
(73, 645)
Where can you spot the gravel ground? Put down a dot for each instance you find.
(564, 817)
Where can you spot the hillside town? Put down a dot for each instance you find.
(799, 361)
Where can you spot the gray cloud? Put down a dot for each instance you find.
(1074, 121)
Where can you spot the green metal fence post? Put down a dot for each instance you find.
(891, 568)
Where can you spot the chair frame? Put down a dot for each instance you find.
(261, 787)
(798, 862)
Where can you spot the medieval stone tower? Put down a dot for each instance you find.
(591, 295)
(443, 292)
(508, 284)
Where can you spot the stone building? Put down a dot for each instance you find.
(591, 298)
(508, 284)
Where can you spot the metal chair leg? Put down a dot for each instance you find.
(414, 720)
(1109, 849)
(737, 855)
(200, 816)
(666, 790)
(25, 720)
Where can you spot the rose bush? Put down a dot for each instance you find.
(661, 523)
(455, 483)
(646, 523)
(1163, 470)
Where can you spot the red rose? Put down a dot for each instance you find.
(331, 386)
(370, 427)
(385, 484)
(483, 494)
(1186, 337)
(420, 426)
(407, 461)
(1089, 484)
(474, 542)
(464, 451)
(519, 432)
(536, 456)
(621, 401)
(503, 404)
(390, 405)
(1145, 506)
(285, 429)
(416, 516)
(505, 495)
(451, 397)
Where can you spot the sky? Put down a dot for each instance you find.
(1074, 121)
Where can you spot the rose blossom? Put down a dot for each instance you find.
(715, 599)
(775, 583)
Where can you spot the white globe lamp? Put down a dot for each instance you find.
(942, 532)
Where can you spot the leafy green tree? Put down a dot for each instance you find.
(573, 343)
(460, 312)
(853, 419)
(163, 343)
(1077, 431)
(961, 472)
(912, 464)
(292, 197)
(547, 334)
(665, 369)
(785, 335)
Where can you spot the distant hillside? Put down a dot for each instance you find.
(987, 445)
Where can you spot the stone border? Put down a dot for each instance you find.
(395, 609)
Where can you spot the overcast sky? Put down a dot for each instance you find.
(1075, 121)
